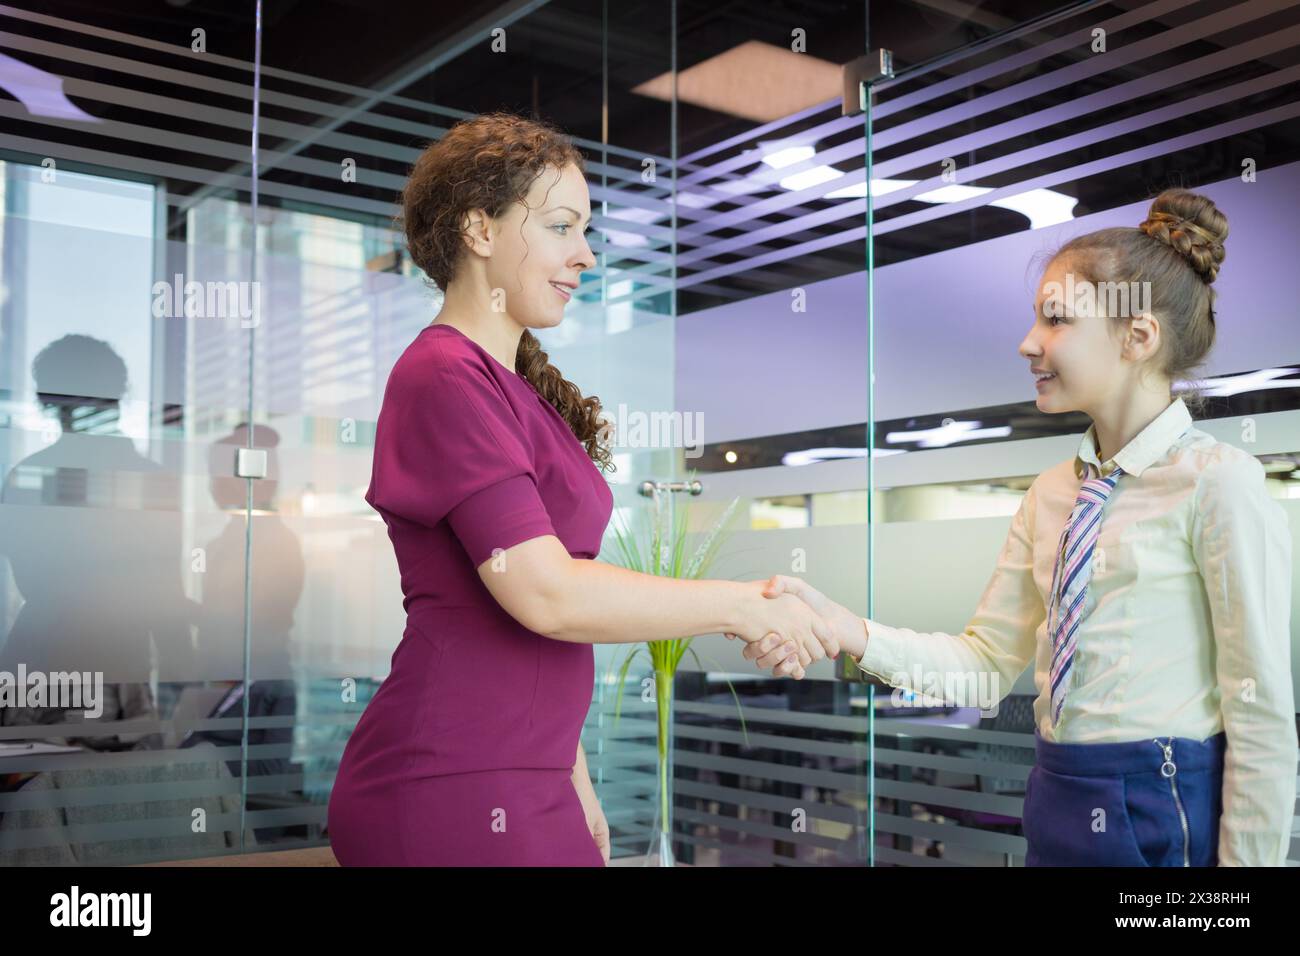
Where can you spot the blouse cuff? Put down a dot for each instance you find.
(881, 658)
(500, 516)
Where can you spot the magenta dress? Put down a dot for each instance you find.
(464, 755)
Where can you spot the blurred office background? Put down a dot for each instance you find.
(853, 366)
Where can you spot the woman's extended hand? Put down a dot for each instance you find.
(795, 633)
(849, 631)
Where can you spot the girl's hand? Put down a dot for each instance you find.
(850, 631)
(786, 656)
(803, 635)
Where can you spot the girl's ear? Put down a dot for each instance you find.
(1143, 336)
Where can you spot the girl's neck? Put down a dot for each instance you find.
(1121, 422)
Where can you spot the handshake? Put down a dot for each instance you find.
(788, 624)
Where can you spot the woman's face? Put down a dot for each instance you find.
(535, 250)
(1073, 342)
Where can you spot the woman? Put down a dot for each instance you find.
(1150, 574)
(485, 474)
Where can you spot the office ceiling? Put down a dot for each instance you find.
(598, 70)
(558, 72)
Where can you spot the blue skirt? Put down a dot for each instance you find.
(1137, 803)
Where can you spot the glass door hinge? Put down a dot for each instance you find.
(876, 65)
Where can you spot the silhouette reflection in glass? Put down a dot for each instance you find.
(277, 584)
(91, 529)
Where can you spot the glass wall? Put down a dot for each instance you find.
(770, 343)
(983, 163)
(809, 309)
(174, 297)
(128, 291)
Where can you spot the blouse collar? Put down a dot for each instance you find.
(1146, 448)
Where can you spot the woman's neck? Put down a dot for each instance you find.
(471, 312)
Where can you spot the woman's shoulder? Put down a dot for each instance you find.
(443, 362)
(444, 349)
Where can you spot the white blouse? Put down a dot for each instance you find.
(1186, 627)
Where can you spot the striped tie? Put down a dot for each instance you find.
(1073, 568)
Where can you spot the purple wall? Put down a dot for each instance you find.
(948, 325)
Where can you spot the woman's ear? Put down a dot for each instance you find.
(476, 230)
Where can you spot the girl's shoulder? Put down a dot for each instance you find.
(1060, 475)
(1210, 457)
(1227, 477)
(1195, 456)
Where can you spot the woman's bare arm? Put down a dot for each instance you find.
(541, 586)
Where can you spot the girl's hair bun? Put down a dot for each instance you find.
(1192, 226)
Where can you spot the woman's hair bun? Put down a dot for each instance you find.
(1192, 226)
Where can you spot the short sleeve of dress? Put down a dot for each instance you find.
(449, 447)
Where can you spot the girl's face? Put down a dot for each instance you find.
(535, 250)
(1076, 348)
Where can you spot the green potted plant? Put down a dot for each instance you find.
(661, 549)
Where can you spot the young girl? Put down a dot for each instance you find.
(1150, 574)
(485, 474)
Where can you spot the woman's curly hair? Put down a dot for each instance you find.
(1178, 248)
(489, 162)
